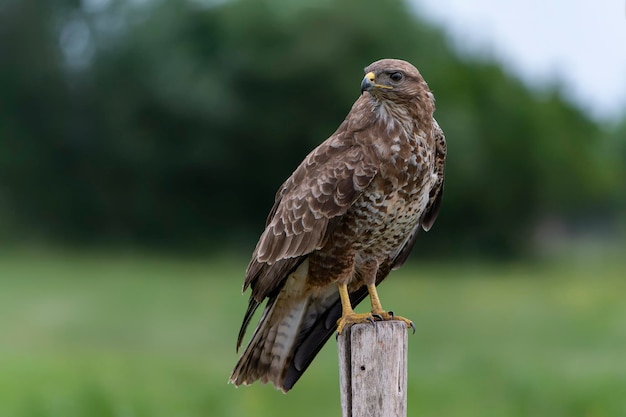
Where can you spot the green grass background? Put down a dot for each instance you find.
(140, 335)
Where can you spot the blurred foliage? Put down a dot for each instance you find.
(173, 123)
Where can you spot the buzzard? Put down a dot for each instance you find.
(346, 217)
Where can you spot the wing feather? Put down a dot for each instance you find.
(322, 188)
(306, 209)
(436, 193)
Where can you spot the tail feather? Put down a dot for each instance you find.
(295, 325)
(316, 337)
(252, 306)
(273, 339)
(286, 320)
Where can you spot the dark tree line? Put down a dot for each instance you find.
(173, 123)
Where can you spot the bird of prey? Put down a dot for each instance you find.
(346, 217)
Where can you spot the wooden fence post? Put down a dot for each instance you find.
(373, 369)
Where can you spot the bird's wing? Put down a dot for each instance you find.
(322, 188)
(307, 208)
(434, 200)
(436, 193)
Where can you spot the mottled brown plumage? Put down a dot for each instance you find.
(348, 215)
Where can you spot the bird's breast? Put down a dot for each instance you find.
(391, 207)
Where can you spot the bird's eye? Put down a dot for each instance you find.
(396, 76)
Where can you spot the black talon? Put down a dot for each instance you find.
(413, 327)
(391, 314)
(337, 336)
(371, 320)
(378, 317)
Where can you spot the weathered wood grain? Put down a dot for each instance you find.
(373, 370)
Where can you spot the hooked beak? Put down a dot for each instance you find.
(369, 83)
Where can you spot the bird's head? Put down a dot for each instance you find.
(394, 80)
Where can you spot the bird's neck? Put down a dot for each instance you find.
(395, 118)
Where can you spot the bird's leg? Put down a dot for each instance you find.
(348, 316)
(379, 313)
(377, 307)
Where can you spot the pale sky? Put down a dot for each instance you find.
(582, 43)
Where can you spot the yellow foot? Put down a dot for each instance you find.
(383, 315)
(354, 318)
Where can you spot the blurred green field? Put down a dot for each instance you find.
(119, 335)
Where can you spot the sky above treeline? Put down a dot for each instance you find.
(579, 44)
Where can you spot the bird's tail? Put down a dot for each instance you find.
(293, 328)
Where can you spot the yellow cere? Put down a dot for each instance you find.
(372, 77)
